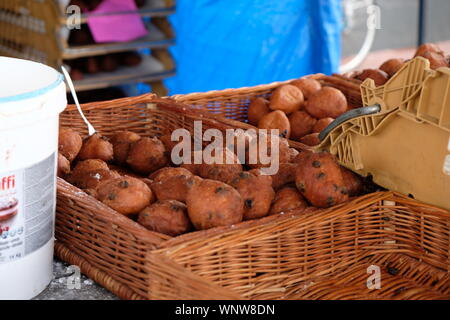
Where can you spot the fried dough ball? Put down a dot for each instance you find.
(311, 140)
(301, 124)
(327, 103)
(168, 172)
(322, 124)
(284, 176)
(257, 193)
(288, 199)
(287, 98)
(96, 147)
(254, 161)
(436, 60)
(378, 76)
(319, 179)
(63, 166)
(257, 109)
(276, 120)
(70, 143)
(147, 155)
(126, 195)
(428, 47)
(88, 174)
(167, 217)
(224, 171)
(353, 183)
(307, 86)
(121, 142)
(172, 188)
(213, 203)
(91, 180)
(89, 165)
(391, 66)
(171, 183)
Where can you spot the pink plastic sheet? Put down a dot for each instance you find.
(118, 27)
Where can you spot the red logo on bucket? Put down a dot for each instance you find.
(7, 183)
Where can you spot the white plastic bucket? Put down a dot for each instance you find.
(31, 97)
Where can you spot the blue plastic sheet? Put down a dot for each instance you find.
(231, 43)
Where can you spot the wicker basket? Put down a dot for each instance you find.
(322, 254)
(233, 103)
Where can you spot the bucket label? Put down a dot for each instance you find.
(27, 206)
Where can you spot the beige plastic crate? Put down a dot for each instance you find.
(404, 143)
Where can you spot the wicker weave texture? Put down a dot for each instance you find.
(321, 254)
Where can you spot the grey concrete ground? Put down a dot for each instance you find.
(59, 288)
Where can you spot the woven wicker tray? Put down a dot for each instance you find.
(322, 254)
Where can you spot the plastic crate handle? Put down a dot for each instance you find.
(352, 114)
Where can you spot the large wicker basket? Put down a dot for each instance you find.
(322, 254)
(233, 103)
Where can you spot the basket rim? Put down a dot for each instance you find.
(352, 83)
(171, 105)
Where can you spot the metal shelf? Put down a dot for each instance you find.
(155, 39)
(150, 69)
(152, 8)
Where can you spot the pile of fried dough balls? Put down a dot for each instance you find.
(389, 68)
(134, 176)
(300, 110)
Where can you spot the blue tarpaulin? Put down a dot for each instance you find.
(229, 43)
